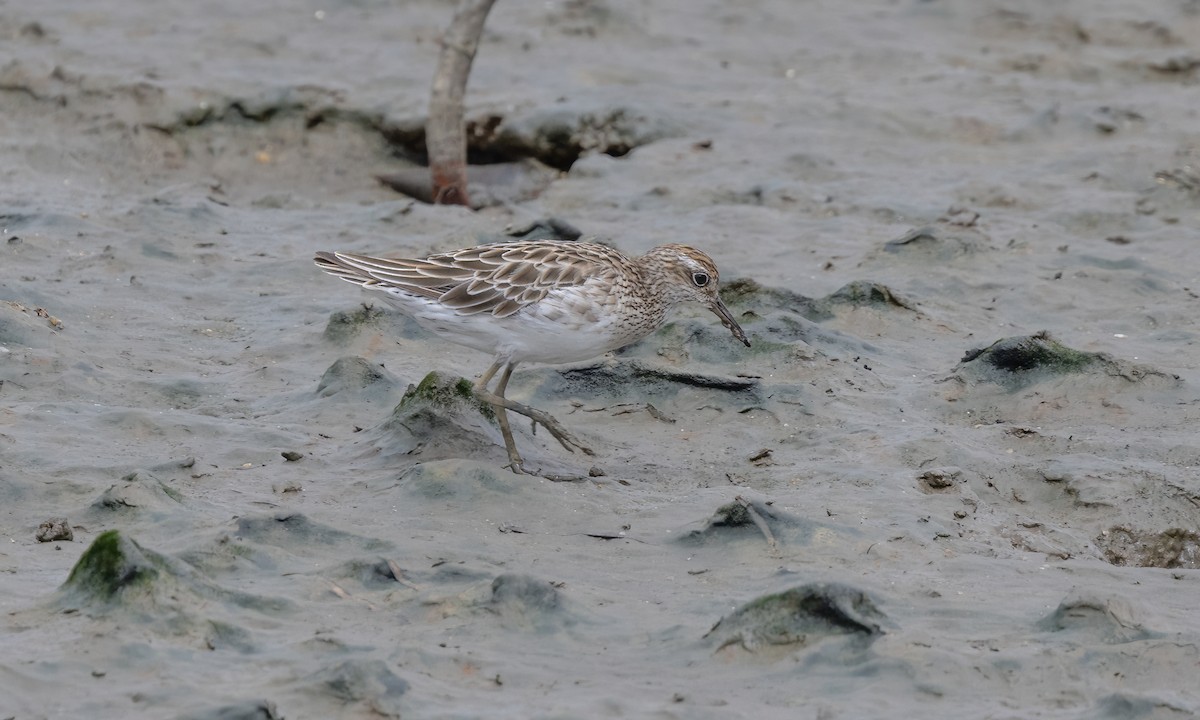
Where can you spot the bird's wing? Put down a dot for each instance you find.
(499, 279)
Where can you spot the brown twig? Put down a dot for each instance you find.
(445, 132)
(398, 574)
(760, 524)
(341, 592)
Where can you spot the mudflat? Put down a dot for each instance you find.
(954, 476)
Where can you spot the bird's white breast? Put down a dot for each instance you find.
(567, 325)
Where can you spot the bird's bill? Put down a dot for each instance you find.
(727, 320)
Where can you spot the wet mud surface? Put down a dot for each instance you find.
(954, 476)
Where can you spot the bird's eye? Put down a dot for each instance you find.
(701, 279)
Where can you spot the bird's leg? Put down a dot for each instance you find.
(497, 399)
(482, 383)
(481, 392)
(515, 463)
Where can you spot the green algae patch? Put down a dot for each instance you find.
(1018, 362)
(799, 617)
(445, 394)
(1030, 353)
(117, 576)
(111, 566)
(439, 417)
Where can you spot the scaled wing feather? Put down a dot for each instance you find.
(499, 279)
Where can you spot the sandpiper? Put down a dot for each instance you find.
(538, 301)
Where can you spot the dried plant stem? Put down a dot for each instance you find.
(761, 524)
(445, 132)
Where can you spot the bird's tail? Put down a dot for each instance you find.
(339, 268)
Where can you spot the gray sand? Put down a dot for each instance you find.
(861, 516)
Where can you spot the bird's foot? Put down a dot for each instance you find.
(518, 468)
(564, 436)
(540, 417)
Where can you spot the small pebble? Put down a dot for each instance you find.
(55, 529)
